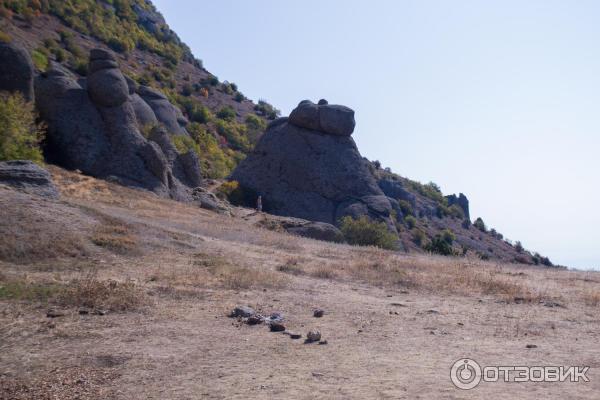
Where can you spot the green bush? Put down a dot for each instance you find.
(235, 134)
(217, 162)
(519, 246)
(5, 37)
(364, 232)
(448, 236)
(439, 245)
(40, 59)
(479, 224)
(405, 207)
(226, 113)
(20, 135)
(266, 109)
(419, 237)
(410, 221)
(235, 194)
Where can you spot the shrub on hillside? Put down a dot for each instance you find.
(20, 135)
(226, 113)
(410, 221)
(405, 207)
(40, 59)
(440, 245)
(265, 109)
(365, 232)
(479, 224)
(419, 237)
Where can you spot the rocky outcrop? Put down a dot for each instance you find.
(306, 167)
(94, 125)
(324, 117)
(460, 200)
(165, 112)
(28, 177)
(16, 70)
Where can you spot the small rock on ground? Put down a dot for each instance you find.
(242, 311)
(276, 327)
(318, 313)
(313, 336)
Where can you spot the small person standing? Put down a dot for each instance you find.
(259, 204)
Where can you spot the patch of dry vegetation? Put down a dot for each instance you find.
(206, 270)
(115, 236)
(87, 291)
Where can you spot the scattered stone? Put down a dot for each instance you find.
(531, 346)
(552, 304)
(293, 335)
(323, 342)
(242, 311)
(254, 320)
(54, 314)
(276, 317)
(519, 300)
(318, 313)
(432, 312)
(313, 336)
(398, 305)
(276, 327)
(84, 311)
(100, 312)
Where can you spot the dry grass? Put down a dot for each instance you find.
(106, 295)
(592, 298)
(292, 266)
(115, 236)
(206, 270)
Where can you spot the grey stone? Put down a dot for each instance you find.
(28, 177)
(143, 112)
(324, 117)
(16, 70)
(242, 311)
(337, 120)
(166, 113)
(313, 336)
(319, 231)
(107, 87)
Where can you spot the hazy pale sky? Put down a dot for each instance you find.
(498, 100)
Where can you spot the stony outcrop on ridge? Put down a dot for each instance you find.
(308, 166)
(95, 125)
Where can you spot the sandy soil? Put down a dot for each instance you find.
(394, 323)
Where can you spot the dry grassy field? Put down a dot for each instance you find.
(139, 290)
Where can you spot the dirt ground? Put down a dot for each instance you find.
(165, 275)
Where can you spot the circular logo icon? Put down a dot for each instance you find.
(465, 374)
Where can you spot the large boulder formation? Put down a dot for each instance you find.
(461, 201)
(95, 124)
(28, 177)
(169, 115)
(324, 117)
(309, 167)
(16, 70)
